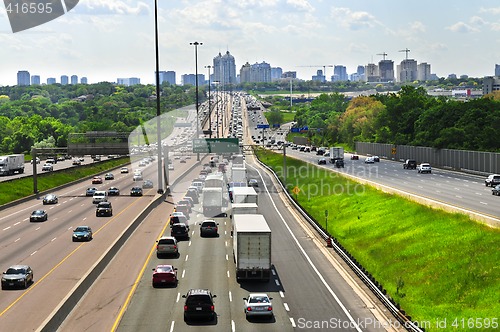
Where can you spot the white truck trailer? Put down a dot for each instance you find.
(252, 247)
(245, 195)
(238, 174)
(11, 164)
(212, 202)
(336, 153)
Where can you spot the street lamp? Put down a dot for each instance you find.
(158, 111)
(197, 102)
(209, 104)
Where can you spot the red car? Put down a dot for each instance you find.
(97, 180)
(164, 275)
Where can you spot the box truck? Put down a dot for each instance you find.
(11, 164)
(252, 247)
(336, 153)
(244, 195)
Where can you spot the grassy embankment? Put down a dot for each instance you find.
(23, 187)
(435, 264)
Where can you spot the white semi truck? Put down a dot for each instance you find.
(11, 164)
(238, 174)
(245, 195)
(212, 202)
(252, 247)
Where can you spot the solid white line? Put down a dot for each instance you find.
(282, 294)
(286, 306)
(172, 326)
(330, 290)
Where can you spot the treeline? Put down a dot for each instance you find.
(410, 117)
(30, 115)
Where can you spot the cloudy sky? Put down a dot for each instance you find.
(107, 39)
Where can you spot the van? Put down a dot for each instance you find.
(100, 196)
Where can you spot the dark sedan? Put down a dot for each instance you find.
(147, 184)
(109, 176)
(90, 191)
(39, 215)
(17, 276)
(50, 199)
(496, 190)
(113, 191)
(136, 191)
(82, 233)
(322, 161)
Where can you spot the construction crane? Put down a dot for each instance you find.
(316, 66)
(406, 50)
(382, 54)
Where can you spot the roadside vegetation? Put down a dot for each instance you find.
(19, 188)
(436, 265)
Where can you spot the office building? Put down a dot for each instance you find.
(23, 78)
(258, 72)
(74, 79)
(191, 79)
(83, 80)
(51, 80)
(497, 70)
(386, 70)
(224, 69)
(491, 84)
(128, 81)
(167, 76)
(64, 80)
(35, 80)
(407, 71)
(339, 73)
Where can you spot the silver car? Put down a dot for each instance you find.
(167, 245)
(258, 305)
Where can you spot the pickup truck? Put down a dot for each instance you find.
(424, 168)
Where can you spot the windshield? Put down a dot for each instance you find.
(15, 271)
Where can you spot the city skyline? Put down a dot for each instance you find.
(104, 40)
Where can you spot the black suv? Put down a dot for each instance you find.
(104, 209)
(179, 231)
(199, 304)
(410, 164)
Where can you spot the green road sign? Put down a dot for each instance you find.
(216, 145)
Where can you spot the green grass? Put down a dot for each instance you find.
(19, 188)
(446, 265)
(287, 116)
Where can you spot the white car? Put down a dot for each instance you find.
(369, 160)
(124, 170)
(171, 167)
(258, 304)
(424, 168)
(47, 168)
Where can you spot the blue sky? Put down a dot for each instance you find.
(107, 39)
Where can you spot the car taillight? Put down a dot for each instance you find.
(157, 246)
(185, 308)
(269, 308)
(249, 308)
(212, 308)
(175, 247)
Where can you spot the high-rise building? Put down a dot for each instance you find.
(74, 79)
(191, 79)
(386, 70)
(371, 73)
(424, 71)
(339, 73)
(23, 77)
(276, 73)
(84, 80)
(167, 76)
(319, 76)
(35, 80)
(225, 69)
(497, 70)
(129, 81)
(64, 80)
(51, 80)
(407, 71)
(258, 72)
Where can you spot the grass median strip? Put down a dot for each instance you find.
(442, 268)
(18, 188)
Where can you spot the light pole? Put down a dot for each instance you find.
(158, 113)
(209, 103)
(197, 97)
(217, 102)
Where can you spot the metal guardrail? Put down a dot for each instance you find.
(356, 267)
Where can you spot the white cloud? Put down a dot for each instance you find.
(112, 7)
(302, 5)
(417, 26)
(494, 11)
(354, 20)
(461, 27)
